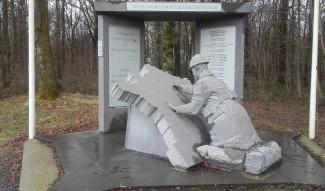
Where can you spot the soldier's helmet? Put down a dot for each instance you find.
(198, 59)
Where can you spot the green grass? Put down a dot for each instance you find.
(67, 112)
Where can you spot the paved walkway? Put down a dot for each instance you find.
(93, 161)
(39, 169)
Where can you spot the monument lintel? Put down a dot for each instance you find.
(174, 10)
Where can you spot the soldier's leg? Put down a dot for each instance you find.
(227, 158)
(233, 128)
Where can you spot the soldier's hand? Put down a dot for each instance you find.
(178, 86)
(171, 106)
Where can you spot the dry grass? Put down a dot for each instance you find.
(52, 117)
(285, 117)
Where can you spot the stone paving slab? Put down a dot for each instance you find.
(94, 161)
(39, 169)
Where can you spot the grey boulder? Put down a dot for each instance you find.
(259, 158)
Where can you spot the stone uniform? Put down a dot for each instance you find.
(227, 121)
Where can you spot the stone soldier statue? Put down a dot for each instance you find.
(231, 131)
(228, 122)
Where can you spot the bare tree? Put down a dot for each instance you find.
(283, 34)
(6, 56)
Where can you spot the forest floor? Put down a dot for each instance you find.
(76, 113)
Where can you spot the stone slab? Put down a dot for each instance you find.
(149, 92)
(317, 151)
(143, 136)
(39, 169)
(94, 161)
(173, 11)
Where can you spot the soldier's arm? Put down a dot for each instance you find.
(185, 90)
(196, 103)
(192, 108)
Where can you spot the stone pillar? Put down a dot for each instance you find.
(112, 115)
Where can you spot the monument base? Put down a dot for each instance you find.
(100, 162)
(115, 118)
(143, 136)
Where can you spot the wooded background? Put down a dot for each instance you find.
(277, 46)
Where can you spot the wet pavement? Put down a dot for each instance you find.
(93, 161)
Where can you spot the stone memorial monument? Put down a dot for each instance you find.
(226, 135)
(153, 126)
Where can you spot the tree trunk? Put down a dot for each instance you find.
(283, 33)
(298, 39)
(13, 50)
(177, 60)
(22, 37)
(63, 39)
(5, 46)
(48, 86)
(57, 41)
(322, 42)
(158, 39)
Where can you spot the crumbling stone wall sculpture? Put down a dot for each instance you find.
(149, 92)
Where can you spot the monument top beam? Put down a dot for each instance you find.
(172, 10)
